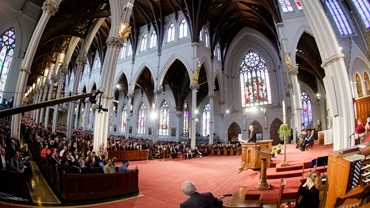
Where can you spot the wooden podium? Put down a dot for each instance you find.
(265, 157)
(250, 153)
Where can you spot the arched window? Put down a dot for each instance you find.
(183, 29)
(286, 6)
(171, 33)
(141, 123)
(206, 36)
(7, 46)
(360, 93)
(124, 119)
(186, 121)
(206, 119)
(340, 19)
(367, 83)
(217, 52)
(97, 63)
(363, 9)
(306, 110)
(91, 119)
(87, 69)
(298, 3)
(254, 80)
(164, 116)
(153, 40)
(129, 53)
(82, 115)
(123, 51)
(201, 35)
(143, 42)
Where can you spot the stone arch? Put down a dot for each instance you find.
(233, 132)
(274, 131)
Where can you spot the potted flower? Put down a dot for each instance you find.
(278, 149)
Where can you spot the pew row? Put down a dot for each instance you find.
(128, 154)
(88, 187)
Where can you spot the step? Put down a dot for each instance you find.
(289, 168)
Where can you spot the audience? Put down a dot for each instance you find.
(109, 168)
(205, 200)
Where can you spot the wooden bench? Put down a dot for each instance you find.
(128, 154)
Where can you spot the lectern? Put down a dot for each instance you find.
(264, 157)
(250, 153)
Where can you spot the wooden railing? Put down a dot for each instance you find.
(128, 154)
(87, 187)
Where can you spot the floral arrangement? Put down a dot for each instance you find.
(284, 130)
(241, 168)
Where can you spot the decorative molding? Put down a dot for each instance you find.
(51, 6)
(81, 61)
(293, 72)
(115, 42)
(332, 59)
(26, 70)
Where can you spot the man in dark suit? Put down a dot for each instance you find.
(252, 134)
(199, 200)
(308, 140)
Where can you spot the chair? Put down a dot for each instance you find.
(273, 197)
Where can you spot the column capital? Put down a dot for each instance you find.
(81, 60)
(211, 96)
(130, 95)
(194, 87)
(293, 71)
(51, 6)
(332, 59)
(115, 42)
(26, 70)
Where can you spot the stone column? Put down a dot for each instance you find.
(212, 118)
(194, 114)
(179, 115)
(37, 111)
(44, 96)
(59, 92)
(50, 7)
(336, 79)
(77, 114)
(86, 113)
(129, 114)
(53, 69)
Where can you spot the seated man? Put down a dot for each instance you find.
(109, 168)
(124, 167)
(206, 200)
(308, 140)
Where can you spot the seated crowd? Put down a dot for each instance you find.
(306, 139)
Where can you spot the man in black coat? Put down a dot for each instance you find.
(252, 134)
(198, 200)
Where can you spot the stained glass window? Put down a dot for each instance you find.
(340, 19)
(91, 119)
(7, 46)
(164, 116)
(82, 115)
(123, 51)
(153, 40)
(97, 63)
(206, 119)
(254, 80)
(129, 53)
(171, 33)
(141, 123)
(298, 3)
(183, 29)
(186, 120)
(360, 93)
(306, 110)
(363, 9)
(286, 6)
(143, 42)
(124, 119)
(206, 36)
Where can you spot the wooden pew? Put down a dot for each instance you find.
(14, 183)
(128, 154)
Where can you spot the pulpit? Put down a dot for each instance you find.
(250, 153)
(265, 157)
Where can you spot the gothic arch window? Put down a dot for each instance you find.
(124, 119)
(97, 63)
(129, 53)
(254, 80)
(87, 69)
(360, 93)
(183, 29)
(7, 47)
(186, 120)
(82, 115)
(298, 3)
(141, 123)
(306, 110)
(206, 119)
(164, 116)
(217, 52)
(153, 40)
(201, 35)
(123, 51)
(206, 37)
(111, 122)
(91, 119)
(340, 19)
(143, 42)
(285, 5)
(171, 33)
(367, 83)
(363, 9)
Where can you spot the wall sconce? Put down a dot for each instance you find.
(318, 97)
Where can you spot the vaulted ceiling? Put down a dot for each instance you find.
(225, 19)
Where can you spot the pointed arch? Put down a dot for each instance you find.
(303, 29)
(136, 76)
(164, 115)
(258, 128)
(274, 131)
(7, 47)
(168, 64)
(358, 79)
(233, 131)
